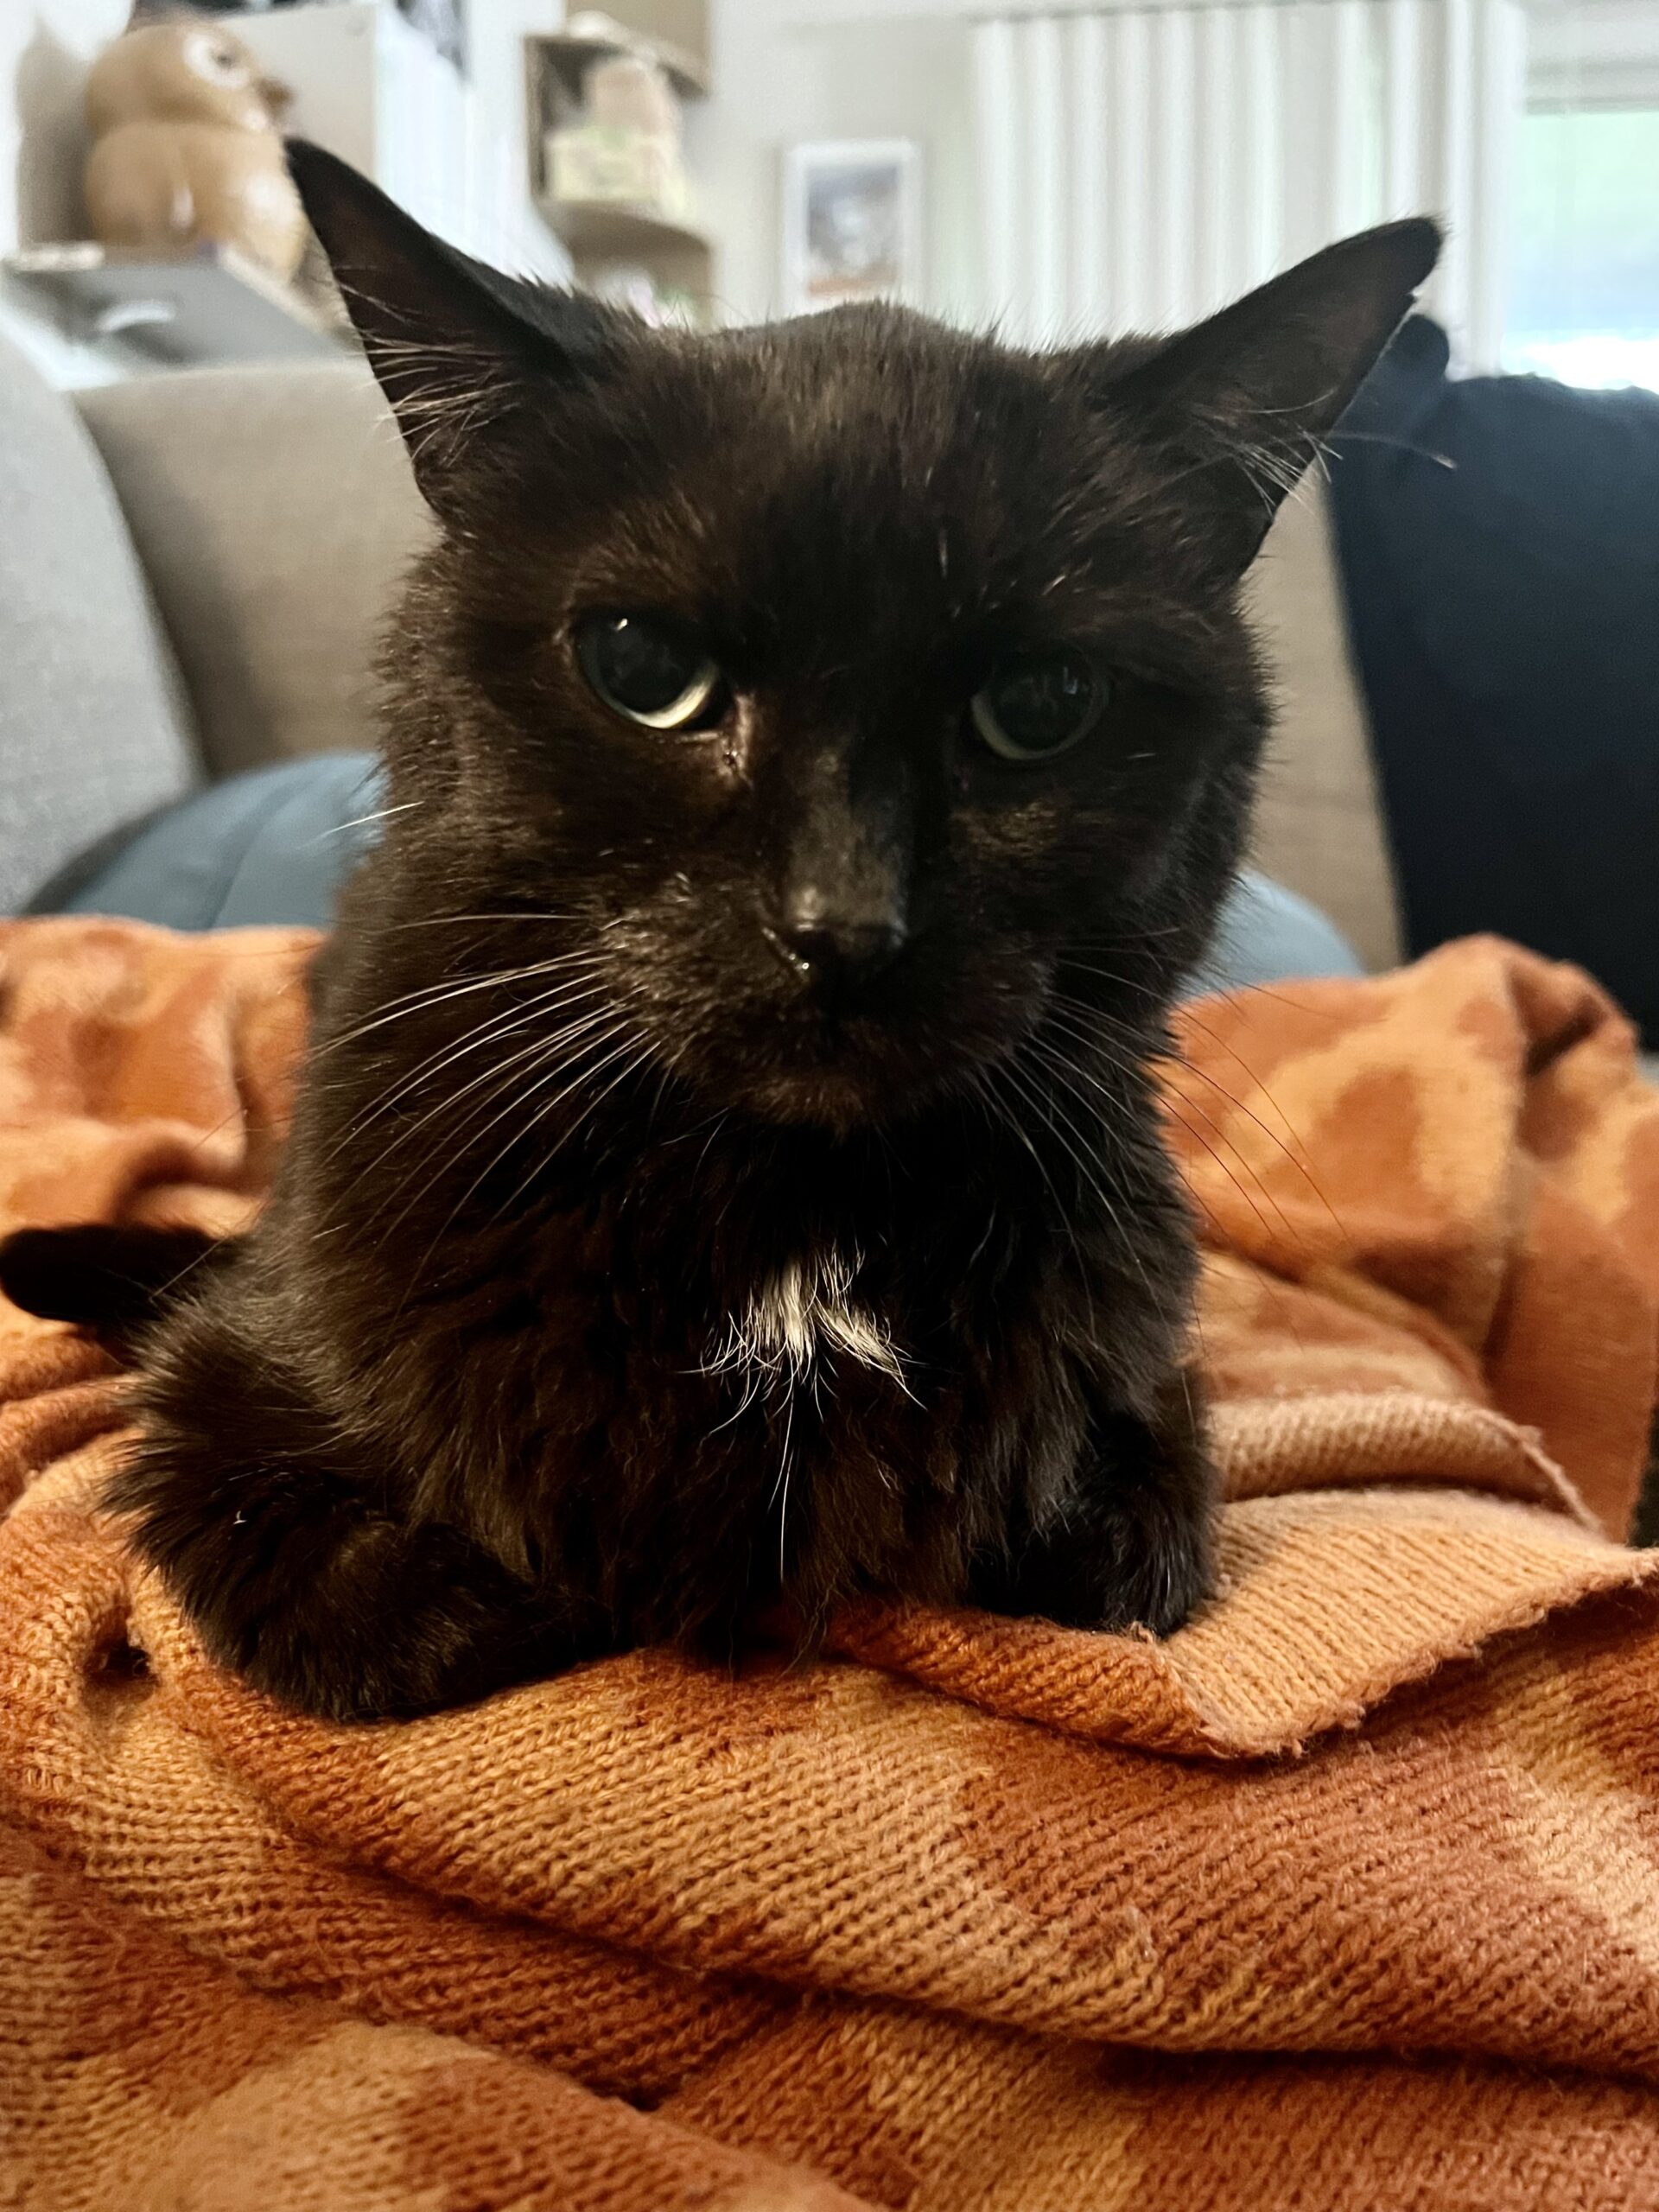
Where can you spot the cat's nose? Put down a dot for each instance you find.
(834, 950)
(841, 910)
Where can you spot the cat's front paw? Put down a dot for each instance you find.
(1133, 1548)
(1134, 1565)
(1150, 1569)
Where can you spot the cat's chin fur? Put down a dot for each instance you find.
(619, 1283)
(844, 1086)
(835, 1099)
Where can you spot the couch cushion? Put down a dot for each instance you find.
(1318, 826)
(274, 510)
(93, 726)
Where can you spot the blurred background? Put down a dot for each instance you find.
(203, 511)
(1062, 168)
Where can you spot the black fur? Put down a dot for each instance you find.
(473, 1399)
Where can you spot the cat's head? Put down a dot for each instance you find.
(849, 687)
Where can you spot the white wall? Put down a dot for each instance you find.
(45, 45)
(515, 235)
(781, 80)
(1594, 52)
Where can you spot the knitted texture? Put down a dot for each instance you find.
(1347, 1895)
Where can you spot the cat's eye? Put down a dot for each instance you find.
(650, 670)
(1038, 705)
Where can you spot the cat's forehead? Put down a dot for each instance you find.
(880, 384)
(867, 460)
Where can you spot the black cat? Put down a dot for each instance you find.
(726, 1178)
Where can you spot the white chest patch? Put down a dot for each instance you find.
(800, 1317)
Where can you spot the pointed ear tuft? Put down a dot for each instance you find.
(1242, 403)
(458, 348)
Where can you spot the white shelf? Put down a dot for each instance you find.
(213, 305)
(616, 230)
(571, 58)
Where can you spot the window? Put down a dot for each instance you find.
(1584, 293)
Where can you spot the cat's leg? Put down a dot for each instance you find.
(295, 1569)
(1133, 1546)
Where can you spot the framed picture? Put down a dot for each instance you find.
(852, 223)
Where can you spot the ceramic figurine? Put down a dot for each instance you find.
(187, 147)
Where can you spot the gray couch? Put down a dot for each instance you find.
(192, 568)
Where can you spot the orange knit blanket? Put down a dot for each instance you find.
(1347, 1895)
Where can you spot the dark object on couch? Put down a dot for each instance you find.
(1500, 548)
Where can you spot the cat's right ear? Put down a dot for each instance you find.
(1241, 405)
(458, 348)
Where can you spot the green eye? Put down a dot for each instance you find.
(1038, 706)
(650, 670)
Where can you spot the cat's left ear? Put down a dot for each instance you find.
(1242, 402)
(458, 348)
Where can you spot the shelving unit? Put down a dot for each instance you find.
(677, 253)
(598, 233)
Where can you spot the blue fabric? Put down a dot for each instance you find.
(1267, 934)
(274, 847)
(269, 847)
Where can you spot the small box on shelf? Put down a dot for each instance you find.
(595, 162)
(606, 114)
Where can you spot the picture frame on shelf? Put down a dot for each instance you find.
(852, 220)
